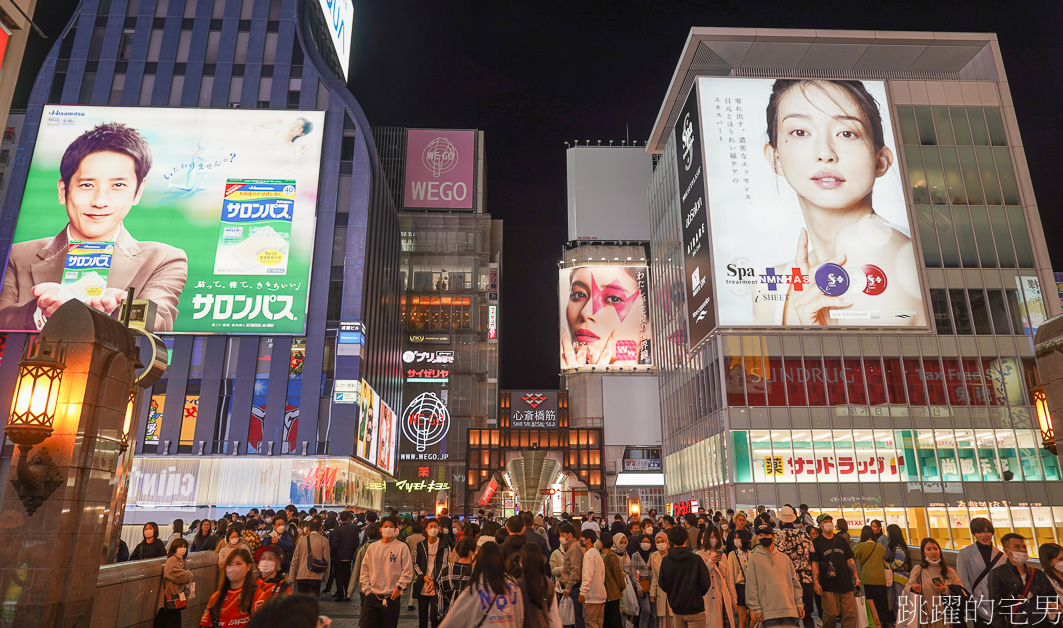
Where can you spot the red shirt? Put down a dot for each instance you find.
(231, 615)
(267, 589)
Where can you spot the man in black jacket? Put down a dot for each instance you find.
(685, 578)
(344, 544)
(1021, 595)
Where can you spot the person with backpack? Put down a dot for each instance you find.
(310, 561)
(685, 579)
(492, 599)
(973, 565)
(456, 575)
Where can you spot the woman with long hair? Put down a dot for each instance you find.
(505, 603)
(931, 579)
(736, 562)
(204, 538)
(870, 555)
(231, 604)
(641, 572)
(176, 582)
(151, 546)
(721, 599)
(1051, 557)
(537, 590)
(900, 562)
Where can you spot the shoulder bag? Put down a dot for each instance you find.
(985, 572)
(313, 564)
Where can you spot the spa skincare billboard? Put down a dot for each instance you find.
(209, 213)
(807, 216)
(604, 318)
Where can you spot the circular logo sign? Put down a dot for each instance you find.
(688, 142)
(876, 279)
(425, 421)
(832, 280)
(440, 156)
(407, 356)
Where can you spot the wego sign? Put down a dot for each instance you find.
(426, 421)
(440, 169)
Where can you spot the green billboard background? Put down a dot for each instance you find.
(195, 152)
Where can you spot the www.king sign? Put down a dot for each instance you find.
(440, 169)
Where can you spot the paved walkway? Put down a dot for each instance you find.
(346, 615)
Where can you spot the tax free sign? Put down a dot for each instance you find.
(339, 18)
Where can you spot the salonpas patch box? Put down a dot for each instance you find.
(256, 227)
(85, 269)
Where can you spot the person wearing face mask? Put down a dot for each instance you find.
(233, 541)
(686, 580)
(974, 563)
(572, 569)
(737, 562)
(1051, 555)
(662, 611)
(930, 579)
(176, 583)
(834, 576)
(773, 590)
(387, 571)
(1021, 594)
(430, 557)
(343, 541)
(592, 592)
(272, 579)
(282, 539)
(641, 572)
(721, 600)
(793, 540)
(151, 546)
(230, 605)
(614, 580)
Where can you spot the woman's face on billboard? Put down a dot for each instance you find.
(605, 307)
(824, 147)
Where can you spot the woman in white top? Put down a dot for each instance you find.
(931, 580)
(658, 598)
(721, 600)
(737, 561)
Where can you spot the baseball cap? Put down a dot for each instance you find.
(765, 528)
(787, 514)
(824, 517)
(268, 548)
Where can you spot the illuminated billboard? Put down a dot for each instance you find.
(339, 18)
(807, 215)
(604, 317)
(375, 438)
(440, 169)
(209, 213)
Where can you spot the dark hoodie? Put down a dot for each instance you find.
(685, 578)
(153, 549)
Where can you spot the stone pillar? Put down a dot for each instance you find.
(1048, 346)
(49, 560)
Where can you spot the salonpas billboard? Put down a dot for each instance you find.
(807, 215)
(208, 213)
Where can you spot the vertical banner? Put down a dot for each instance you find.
(697, 264)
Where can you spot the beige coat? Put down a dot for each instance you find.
(300, 569)
(176, 577)
(721, 598)
(663, 609)
(931, 599)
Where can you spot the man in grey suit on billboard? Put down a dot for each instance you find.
(101, 178)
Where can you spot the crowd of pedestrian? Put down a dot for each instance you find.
(702, 570)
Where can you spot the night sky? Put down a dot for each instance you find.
(534, 75)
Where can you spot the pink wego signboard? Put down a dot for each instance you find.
(440, 169)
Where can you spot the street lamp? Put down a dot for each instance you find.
(40, 375)
(128, 421)
(1044, 419)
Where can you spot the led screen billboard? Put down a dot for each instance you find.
(807, 216)
(375, 438)
(209, 213)
(339, 18)
(604, 317)
(440, 169)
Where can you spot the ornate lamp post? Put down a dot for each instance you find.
(32, 418)
(1044, 419)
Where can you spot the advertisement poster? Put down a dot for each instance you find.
(440, 169)
(386, 446)
(604, 317)
(807, 214)
(697, 265)
(209, 213)
(367, 436)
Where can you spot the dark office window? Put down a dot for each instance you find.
(959, 312)
(979, 312)
(939, 302)
(998, 311)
